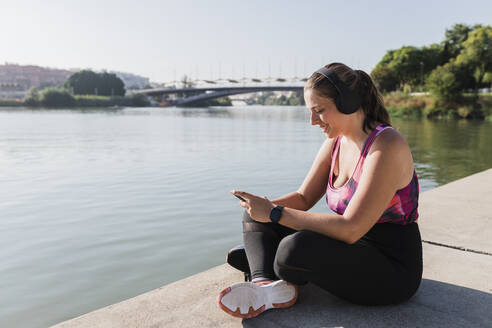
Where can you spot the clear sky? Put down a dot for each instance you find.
(167, 39)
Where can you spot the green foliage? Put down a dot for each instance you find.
(387, 58)
(477, 53)
(449, 81)
(487, 78)
(385, 78)
(296, 99)
(270, 99)
(484, 102)
(469, 47)
(407, 66)
(32, 97)
(138, 100)
(442, 83)
(111, 85)
(83, 83)
(133, 100)
(223, 101)
(55, 97)
(468, 107)
(94, 101)
(437, 111)
(400, 104)
(440, 109)
(465, 111)
(454, 38)
(87, 82)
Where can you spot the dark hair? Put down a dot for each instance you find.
(358, 81)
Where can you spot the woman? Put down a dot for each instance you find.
(369, 251)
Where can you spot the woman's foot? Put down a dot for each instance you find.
(249, 299)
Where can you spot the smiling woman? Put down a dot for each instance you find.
(369, 251)
(321, 93)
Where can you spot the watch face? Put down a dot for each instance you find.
(276, 213)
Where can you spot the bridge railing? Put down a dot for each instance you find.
(252, 82)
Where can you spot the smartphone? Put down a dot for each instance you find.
(241, 198)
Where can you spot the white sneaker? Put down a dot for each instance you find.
(248, 299)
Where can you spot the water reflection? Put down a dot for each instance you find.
(448, 150)
(296, 113)
(443, 150)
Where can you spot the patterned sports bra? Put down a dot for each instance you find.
(403, 206)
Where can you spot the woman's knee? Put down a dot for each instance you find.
(290, 260)
(293, 248)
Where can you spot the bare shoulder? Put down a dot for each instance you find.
(393, 147)
(390, 139)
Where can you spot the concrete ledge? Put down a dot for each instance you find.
(190, 302)
(456, 290)
(459, 213)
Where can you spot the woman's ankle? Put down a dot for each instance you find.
(261, 280)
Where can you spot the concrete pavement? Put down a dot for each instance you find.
(456, 289)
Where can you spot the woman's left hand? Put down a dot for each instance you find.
(258, 208)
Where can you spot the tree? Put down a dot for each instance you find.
(447, 82)
(87, 82)
(442, 83)
(488, 79)
(32, 97)
(408, 65)
(110, 85)
(53, 97)
(387, 58)
(455, 37)
(385, 79)
(431, 57)
(477, 53)
(84, 82)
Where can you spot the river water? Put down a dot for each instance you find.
(98, 206)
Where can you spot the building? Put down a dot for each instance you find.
(24, 77)
(16, 80)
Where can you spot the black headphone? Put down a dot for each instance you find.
(347, 101)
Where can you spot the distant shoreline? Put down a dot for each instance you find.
(398, 104)
(470, 106)
(66, 100)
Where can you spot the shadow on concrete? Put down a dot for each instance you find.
(436, 304)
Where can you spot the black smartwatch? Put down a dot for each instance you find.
(276, 213)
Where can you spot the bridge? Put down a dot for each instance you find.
(191, 95)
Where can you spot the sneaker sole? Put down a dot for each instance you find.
(247, 299)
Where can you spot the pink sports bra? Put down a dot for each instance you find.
(403, 206)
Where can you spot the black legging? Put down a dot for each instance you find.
(383, 267)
